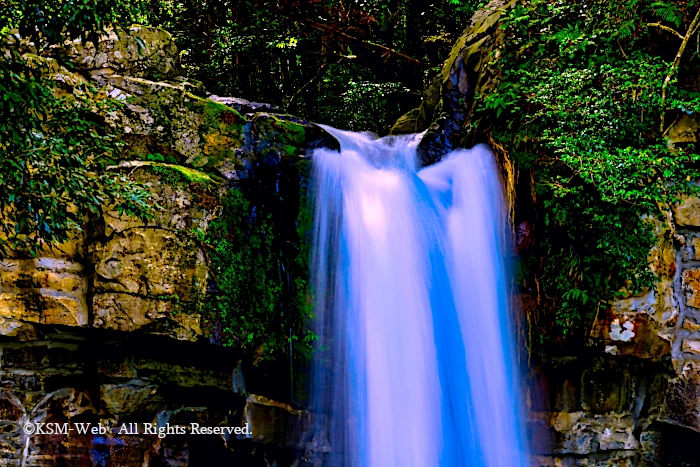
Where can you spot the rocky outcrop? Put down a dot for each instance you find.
(140, 52)
(447, 104)
(121, 274)
(128, 389)
(108, 329)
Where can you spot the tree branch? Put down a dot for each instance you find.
(691, 30)
(665, 28)
(372, 45)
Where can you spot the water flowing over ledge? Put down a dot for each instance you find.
(415, 361)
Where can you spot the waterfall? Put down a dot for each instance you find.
(414, 365)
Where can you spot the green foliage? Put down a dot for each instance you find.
(55, 146)
(341, 63)
(362, 105)
(48, 22)
(55, 152)
(580, 105)
(158, 157)
(668, 12)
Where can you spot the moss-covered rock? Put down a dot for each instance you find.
(279, 135)
(142, 51)
(165, 121)
(166, 118)
(53, 70)
(150, 275)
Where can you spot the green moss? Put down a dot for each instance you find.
(259, 257)
(305, 223)
(290, 150)
(290, 132)
(217, 110)
(280, 136)
(221, 131)
(245, 268)
(177, 175)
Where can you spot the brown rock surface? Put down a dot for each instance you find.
(687, 214)
(682, 406)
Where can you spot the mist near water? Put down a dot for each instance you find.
(414, 365)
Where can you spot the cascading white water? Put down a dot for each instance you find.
(414, 364)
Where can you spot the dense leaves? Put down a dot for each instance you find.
(52, 173)
(55, 146)
(588, 95)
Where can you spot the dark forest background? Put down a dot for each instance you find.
(356, 64)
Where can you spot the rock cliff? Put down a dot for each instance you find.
(113, 327)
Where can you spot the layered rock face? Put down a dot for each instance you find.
(104, 330)
(632, 397)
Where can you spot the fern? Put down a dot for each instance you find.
(668, 12)
(625, 30)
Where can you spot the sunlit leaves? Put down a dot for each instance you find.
(55, 154)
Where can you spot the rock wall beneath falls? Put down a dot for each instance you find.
(631, 397)
(105, 329)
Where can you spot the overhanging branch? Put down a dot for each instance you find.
(371, 45)
(666, 28)
(691, 30)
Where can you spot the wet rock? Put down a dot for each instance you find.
(133, 397)
(581, 433)
(691, 287)
(244, 106)
(110, 379)
(447, 103)
(274, 423)
(632, 333)
(682, 405)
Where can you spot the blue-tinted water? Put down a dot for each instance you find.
(415, 363)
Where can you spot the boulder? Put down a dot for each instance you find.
(140, 51)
